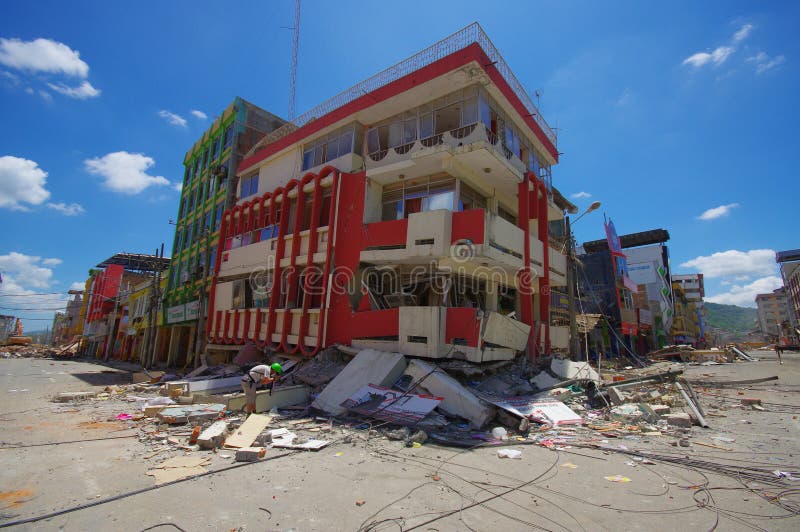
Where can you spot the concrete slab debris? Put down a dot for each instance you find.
(458, 401)
(567, 369)
(265, 401)
(190, 413)
(544, 380)
(68, 397)
(213, 436)
(368, 366)
(397, 407)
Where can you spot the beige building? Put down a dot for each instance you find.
(773, 315)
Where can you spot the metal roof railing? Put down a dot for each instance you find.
(458, 41)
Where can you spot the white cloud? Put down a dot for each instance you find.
(42, 55)
(125, 172)
(178, 187)
(21, 181)
(764, 62)
(26, 270)
(734, 262)
(72, 209)
(718, 56)
(743, 32)
(52, 262)
(78, 285)
(199, 114)
(745, 295)
(717, 212)
(172, 118)
(580, 195)
(46, 96)
(81, 92)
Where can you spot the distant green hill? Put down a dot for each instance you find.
(730, 317)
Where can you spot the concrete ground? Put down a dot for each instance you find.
(366, 482)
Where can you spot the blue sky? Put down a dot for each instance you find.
(664, 110)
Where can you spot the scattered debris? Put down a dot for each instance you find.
(509, 453)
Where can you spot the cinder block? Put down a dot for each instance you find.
(678, 420)
(213, 436)
(250, 454)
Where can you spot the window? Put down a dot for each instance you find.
(249, 186)
(328, 148)
(228, 137)
(218, 221)
(216, 146)
(419, 195)
(470, 199)
(212, 258)
(242, 294)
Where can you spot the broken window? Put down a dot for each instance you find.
(242, 294)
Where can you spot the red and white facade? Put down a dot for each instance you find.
(409, 213)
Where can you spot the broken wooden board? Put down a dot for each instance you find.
(246, 434)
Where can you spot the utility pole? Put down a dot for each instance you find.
(200, 327)
(572, 279)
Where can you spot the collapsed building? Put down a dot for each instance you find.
(410, 213)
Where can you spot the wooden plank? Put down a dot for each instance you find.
(245, 435)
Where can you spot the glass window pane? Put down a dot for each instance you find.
(395, 134)
(438, 201)
(426, 126)
(469, 114)
(308, 159)
(346, 142)
(331, 150)
(373, 140)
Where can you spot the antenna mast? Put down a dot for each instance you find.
(295, 46)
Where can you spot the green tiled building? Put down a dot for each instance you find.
(209, 186)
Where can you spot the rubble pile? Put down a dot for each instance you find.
(28, 351)
(340, 398)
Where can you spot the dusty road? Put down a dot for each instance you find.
(426, 488)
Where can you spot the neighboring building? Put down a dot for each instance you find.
(409, 213)
(109, 286)
(6, 326)
(209, 187)
(647, 258)
(790, 273)
(58, 331)
(685, 322)
(773, 316)
(72, 320)
(694, 290)
(141, 318)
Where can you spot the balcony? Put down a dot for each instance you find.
(465, 240)
(472, 146)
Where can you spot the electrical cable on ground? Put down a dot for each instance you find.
(136, 492)
(27, 445)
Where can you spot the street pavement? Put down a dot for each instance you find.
(77, 458)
